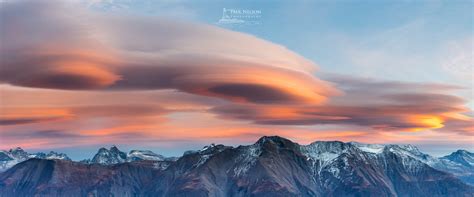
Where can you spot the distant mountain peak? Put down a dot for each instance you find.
(137, 155)
(114, 155)
(16, 155)
(212, 145)
(462, 157)
(109, 156)
(114, 148)
(273, 166)
(274, 138)
(320, 154)
(275, 141)
(463, 152)
(17, 149)
(19, 152)
(209, 149)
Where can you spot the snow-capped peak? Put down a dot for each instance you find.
(462, 157)
(136, 155)
(208, 147)
(17, 149)
(109, 156)
(115, 156)
(16, 155)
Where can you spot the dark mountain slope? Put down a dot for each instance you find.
(273, 166)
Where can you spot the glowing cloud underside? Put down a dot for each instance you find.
(70, 73)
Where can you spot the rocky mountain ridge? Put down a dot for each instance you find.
(273, 166)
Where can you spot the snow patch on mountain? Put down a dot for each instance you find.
(50, 155)
(114, 156)
(247, 159)
(324, 152)
(369, 148)
(137, 155)
(109, 156)
(413, 152)
(207, 152)
(462, 157)
(161, 165)
(14, 156)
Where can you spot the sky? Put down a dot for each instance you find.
(171, 76)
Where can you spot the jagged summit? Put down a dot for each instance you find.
(50, 155)
(138, 155)
(462, 157)
(320, 154)
(114, 155)
(274, 138)
(109, 156)
(212, 148)
(16, 155)
(17, 149)
(273, 166)
(114, 148)
(462, 152)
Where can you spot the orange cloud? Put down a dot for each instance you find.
(22, 115)
(409, 107)
(426, 122)
(192, 58)
(139, 79)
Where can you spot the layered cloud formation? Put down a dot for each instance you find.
(388, 106)
(74, 50)
(68, 72)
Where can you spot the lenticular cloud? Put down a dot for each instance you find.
(61, 47)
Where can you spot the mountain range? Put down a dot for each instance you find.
(14, 156)
(273, 166)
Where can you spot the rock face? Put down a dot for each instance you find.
(462, 157)
(114, 156)
(51, 155)
(109, 156)
(139, 155)
(40, 177)
(10, 158)
(459, 163)
(104, 156)
(14, 156)
(273, 166)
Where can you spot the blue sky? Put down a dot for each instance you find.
(419, 41)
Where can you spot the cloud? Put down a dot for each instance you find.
(40, 134)
(119, 110)
(100, 78)
(76, 49)
(32, 115)
(381, 105)
(19, 120)
(47, 49)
